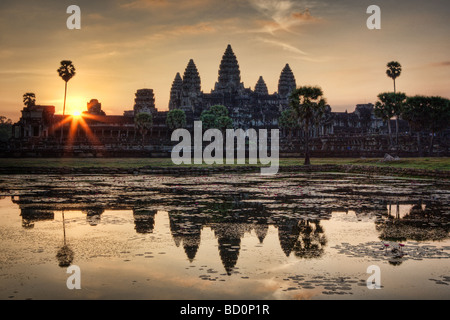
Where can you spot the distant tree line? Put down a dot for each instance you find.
(5, 129)
(425, 115)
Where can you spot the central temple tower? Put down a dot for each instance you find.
(287, 83)
(229, 74)
(246, 107)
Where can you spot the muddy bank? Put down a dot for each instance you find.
(207, 170)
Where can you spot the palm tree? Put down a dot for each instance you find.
(66, 71)
(143, 122)
(29, 99)
(394, 70)
(309, 107)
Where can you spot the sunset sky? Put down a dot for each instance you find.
(126, 45)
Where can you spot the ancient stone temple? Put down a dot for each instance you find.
(287, 82)
(360, 133)
(95, 108)
(247, 107)
(144, 101)
(175, 92)
(185, 93)
(36, 122)
(261, 87)
(229, 74)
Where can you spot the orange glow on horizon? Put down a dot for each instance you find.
(76, 121)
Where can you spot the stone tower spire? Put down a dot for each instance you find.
(287, 82)
(175, 92)
(191, 79)
(144, 101)
(261, 87)
(229, 73)
(191, 94)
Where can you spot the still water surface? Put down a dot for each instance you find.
(293, 236)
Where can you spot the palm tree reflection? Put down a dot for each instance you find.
(64, 255)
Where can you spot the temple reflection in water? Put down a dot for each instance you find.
(300, 234)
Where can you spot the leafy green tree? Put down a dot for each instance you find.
(399, 103)
(29, 99)
(223, 123)
(439, 117)
(416, 113)
(143, 122)
(66, 71)
(427, 114)
(365, 118)
(176, 119)
(216, 117)
(308, 106)
(394, 70)
(389, 105)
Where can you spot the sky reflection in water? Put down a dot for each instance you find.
(223, 237)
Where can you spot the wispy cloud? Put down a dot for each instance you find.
(441, 64)
(304, 16)
(284, 46)
(282, 15)
(155, 4)
(140, 4)
(199, 28)
(298, 53)
(438, 64)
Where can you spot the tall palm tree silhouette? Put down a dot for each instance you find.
(64, 255)
(309, 106)
(394, 70)
(66, 71)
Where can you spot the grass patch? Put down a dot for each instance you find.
(442, 164)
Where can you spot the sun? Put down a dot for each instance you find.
(74, 105)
